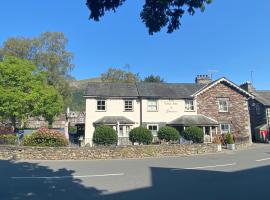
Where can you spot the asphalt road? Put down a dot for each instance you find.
(230, 175)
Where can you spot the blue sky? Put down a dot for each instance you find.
(232, 37)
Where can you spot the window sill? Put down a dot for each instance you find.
(101, 110)
(128, 111)
(223, 111)
(190, 111)
(152, 110)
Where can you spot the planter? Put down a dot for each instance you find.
(231, 146)
(219, 148)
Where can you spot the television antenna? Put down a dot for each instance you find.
(211, 72)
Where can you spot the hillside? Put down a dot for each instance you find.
(77, 91)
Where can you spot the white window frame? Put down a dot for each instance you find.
(126, 109)
(258, 109)
(189, 105)
(225, 132)
(148, 125)
(152, 105)
(105, 105)
(223, 108)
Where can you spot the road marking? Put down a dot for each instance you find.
(263, 159)
(62, 177)
(209, 166)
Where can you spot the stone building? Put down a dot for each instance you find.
(218, 107)
(259, 109)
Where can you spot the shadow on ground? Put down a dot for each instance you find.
(166, 184)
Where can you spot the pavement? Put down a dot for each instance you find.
(232, 175)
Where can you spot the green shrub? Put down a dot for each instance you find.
(105, 135)
(72, 129)
(8, 139)
(194, 134)
(45, 138)
(168, 134)
(141, 135)
(229, 138)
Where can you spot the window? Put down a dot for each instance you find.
(225, 128)
(189, 105)
(128, 105)
(101, 105)
(223, 105)
(152, 105)
(153, 128)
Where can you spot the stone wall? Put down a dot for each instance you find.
(238, 114)
(71, 153)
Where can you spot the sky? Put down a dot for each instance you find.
(231, 38)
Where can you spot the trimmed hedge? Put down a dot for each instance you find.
(141, 135)
(45, 138)
(194, 134)
(105, 135)
(169, 134)
(8, 139)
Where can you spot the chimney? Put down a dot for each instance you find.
(203, 80)
(248, 87)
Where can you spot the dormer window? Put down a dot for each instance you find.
(189, 105)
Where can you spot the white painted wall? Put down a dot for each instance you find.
(168, 110)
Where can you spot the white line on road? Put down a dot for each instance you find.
(263, 159)
(62, 177)
(209, 166)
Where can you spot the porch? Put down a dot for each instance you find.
(208, 125)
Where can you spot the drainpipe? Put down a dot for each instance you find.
(267, 121)
(141, 112)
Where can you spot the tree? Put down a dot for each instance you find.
(48, 52)
(156, 14)
(119, 75)
(153, 79)
(25, 93)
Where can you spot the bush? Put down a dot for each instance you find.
(8, 139)
(168, 134)
(141, 135)
(105, 135)
(229, 138)
(45, 138)
(194, 134)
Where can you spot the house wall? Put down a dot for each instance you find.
(115, 107)
(257, 118)
(168, 110)
(238, 114)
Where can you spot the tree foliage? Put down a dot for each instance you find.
(141, 135)
(48, 52)
(169, 134)
(153, 79)
(25, 93)
(156, 14)
(119, 75)
(194, 134)
(105, 135)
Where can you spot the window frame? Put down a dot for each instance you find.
(105, 105)
(132, 105)
(188, 105)
(148, 125)
(220, 106)
(229, 128)
(153, 100)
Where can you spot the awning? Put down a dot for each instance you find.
(114, 120)
(195, 120)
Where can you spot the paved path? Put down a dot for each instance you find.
(231, 175)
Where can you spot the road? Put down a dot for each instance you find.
(229, 175)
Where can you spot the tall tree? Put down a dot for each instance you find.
(119, 75)
(153, 79)
(156, 14)
(25, 93)
(48, 52)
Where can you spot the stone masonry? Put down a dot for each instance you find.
(238, 114)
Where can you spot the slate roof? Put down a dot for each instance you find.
(168, 90)
(114, 120)
(150, 90)
(111, 90)
(198, 120)
(263, 96)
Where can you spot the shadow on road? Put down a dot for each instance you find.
(166, 184)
